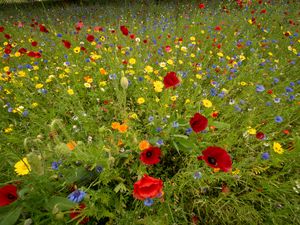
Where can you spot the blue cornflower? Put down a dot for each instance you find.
(55, 165)
(292, 97)
(150, 118)
(292, 83)
(148, 202)
(99, 169)
(76, 196)
(158, 129)
(260, 88)
(265, 156)
(278, 119)
(25, 113)
(188, 131)
(160, 142)
(289, 89)
(59, 35)
(276, 80)
(276, 100)
(112, 76)
(175, 124)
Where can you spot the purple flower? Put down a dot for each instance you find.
(278, 119)
(148, 202)
(260, 88)
(265, 156)
(76, 196)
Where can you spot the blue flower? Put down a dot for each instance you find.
(278, 119)
(265, 156)
(289, 89)
(188, 131)
(159, 142)
(276, 100)
(150, 118)
(99, 169)
(55, 165)
(175, 124)
(148, 202)
(276, 80)
(260, 88)
(76, 196)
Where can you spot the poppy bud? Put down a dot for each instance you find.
(124, 82)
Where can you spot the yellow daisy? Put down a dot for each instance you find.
(22, 167)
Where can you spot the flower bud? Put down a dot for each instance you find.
(124, 82)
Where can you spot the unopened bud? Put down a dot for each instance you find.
(124, 82)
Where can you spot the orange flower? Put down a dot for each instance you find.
(122, 128)
(144, 145)
(120, 142)
(102, 71)
(71, 145)
(115, 125)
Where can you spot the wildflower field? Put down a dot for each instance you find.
(150, 112)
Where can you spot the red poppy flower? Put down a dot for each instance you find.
(90, 38)
(218, 28)
(132, 36)
(124, 30)
(43, 29)
(67, 44)
(198, 122)
(7, 36)
(216, 157)
(8, 194)
(75, 213)
(260, 135)
(150, 156)
(201, 6)
(7, 51)
(147, 187)
(1, 29)
(171, 80)
(34, 43)
(263, 11)
(22, 50)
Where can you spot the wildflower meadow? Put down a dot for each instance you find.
(150, 112)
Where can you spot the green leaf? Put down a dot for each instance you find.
(120, 188)
(11, 217)
(60, 203)
(220, 125)
(185, 143)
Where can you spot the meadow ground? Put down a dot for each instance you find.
(133, 112)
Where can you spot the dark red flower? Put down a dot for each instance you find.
(31, 54)
(124, 30)
(198, 122)
(34, 43)
(171, 80)
(1, 29)
(43, 29)
(8, 194)
(260, 135)
(7, 36)
(90, 38)
(201, 6)
(75, 213)
(7, 51)
(263, 11)
(216, 157)
(132, 36)
(67, 44)
(22, 50)
(150, 156)
(147, 187)
(218, 28)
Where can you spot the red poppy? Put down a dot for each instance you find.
(147, 187)
(90, 38)
(34, 43)
(132, 36)
(67, 44)
(1, 29)
(75, 213)
(201, 6)
(22, 50)
(8, 194)
(150, 156)
(218, 28)
(171, 80)
(7, 51)
(260, 135)
(7, 36)
(124, 30)
(216, 157)
(198, 122)
(263, 11)
(43, 29)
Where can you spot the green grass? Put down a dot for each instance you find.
(260, 191)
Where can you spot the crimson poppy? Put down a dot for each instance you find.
(8, 194)
(7, 36)
(147, 187)
(218, 28)
(132, 36)
(34, 43)
(198, 122)
(22, 50)
(171, 80)
(124, 30)
(263, 11)
(76, 212)
(43, 29)
(216, 157)
(1, 29)
(260, 135)
(7, 51)
(150, 156)
(90, 38)
(201, 6)
(67, 44)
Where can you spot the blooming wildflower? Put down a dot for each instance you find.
(22, 167)
(175, 124)
(260, 135)
(76, 49)
(278, 119)
(251, 130)
(122, 128)
(149, 69)
(150, 156)
(70, 91)
(158, 86)
(277, 148)
(147, 187)
(207, 103)
(132, 61)
(140, 101)
(260, 88)
(55, 165)
(150, 118)
(171, 80)
(144, 144)
(98, 169)
(148, 202)
(198, 122)
(8, 194)
(71, 145)
(197, 175)
(265, 156)
(76, 196)
(160, 142)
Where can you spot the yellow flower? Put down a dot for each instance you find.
(251, 130)
(8, 130)
(132, 61)
(220, 54)
(173, 98)
(76, 49)
(22, 73)
(277, 148)
(22, 167)
(87, 85)
(162, 64)
(133, 116)
(243, 83)
(102, 83)
(170, 62)
(206, 103)
(6, 68)
(39, 86)
(70, 91)
(192, 38)
(149, 69)
(115, 125)
(34, 104)
(158, 86)
(140, 100)
(187, 101)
